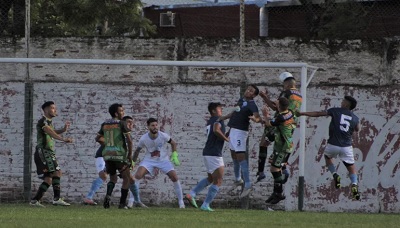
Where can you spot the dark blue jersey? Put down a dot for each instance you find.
(342, 126)
(240, 120)
(99, 152)
(214, 144)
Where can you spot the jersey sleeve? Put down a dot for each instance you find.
(141, 143)
(277, 121)
(166, 137)
(101, 132)
(330, 111)
(253, 107)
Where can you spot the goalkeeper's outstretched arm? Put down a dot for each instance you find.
(314, 114)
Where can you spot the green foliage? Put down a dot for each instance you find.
(344, 20)
(88, 18)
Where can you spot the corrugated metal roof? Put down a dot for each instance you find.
(198, 3)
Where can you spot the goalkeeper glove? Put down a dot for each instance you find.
(132, 165)
(174, 158)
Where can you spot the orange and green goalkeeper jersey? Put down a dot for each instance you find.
(115, 148)
(285, 125)
(295, 100)
(44, 140)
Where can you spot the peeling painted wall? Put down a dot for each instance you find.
(179, 96)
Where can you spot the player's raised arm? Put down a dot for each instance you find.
(314, 114)
(54, 135)
(217, 131)
(65, 128)
(256, 117)
(357, 128)
(269, 102)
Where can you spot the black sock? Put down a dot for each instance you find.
(42, 189)
(56, 187)
(124, 194)
(277, 181)
(110, 188)
(262, 157)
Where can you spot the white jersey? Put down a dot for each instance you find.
(155, 148)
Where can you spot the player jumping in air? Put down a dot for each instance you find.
(239, 128)
(156, 156)
(293, 95)
(213, 161)
(341, 128)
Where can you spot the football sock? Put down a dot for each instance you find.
(277, 181)
(56, 187)
(178, 191)
(96, 184)
(199, 187)
(110, 188)
(42, 189)
(236, 169)
(246, 175)
(332, 168)
(135, 191)
(212, 192)
(353, 178)
(124, 194)
(262, 157)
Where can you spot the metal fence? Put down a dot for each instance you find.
(347, 19)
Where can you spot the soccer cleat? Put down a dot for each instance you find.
(260, 177)
(36, 203)
(130, 204)
(192, 200)
(89, 202)
(60, 202)
(203, 208)
(270, 198)
(277, 198)
(140, 204)
(123, 206)
(336, 179)
(245, 192)
(106, 203)
(354, 191)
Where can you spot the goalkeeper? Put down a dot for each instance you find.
(157, 157)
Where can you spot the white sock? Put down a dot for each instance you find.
(131, 199)
(178, 191)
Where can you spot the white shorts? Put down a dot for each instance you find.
(164, 165)
(212, 163)
(238, 140)
(100, 164)
(345, 153)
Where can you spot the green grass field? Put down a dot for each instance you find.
(22, 215)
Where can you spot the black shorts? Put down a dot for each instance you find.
(113, 166)
(46, 162)
(278, 158)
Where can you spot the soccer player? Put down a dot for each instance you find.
(213, 160)
(117, 153)
(45, 157)
(239, 126)
(295, 99)
(343, 123)
(284, 123)
(156, 156)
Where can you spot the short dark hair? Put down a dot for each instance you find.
(151, 120)
(47, 104)
(127, 118)
(353, 102)
(283, 102)
(113, 109)
(212, 106)
(257, 91)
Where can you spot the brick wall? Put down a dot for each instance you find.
(179, 96)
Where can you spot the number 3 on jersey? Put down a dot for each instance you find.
(344, 122)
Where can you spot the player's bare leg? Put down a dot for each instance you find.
(177, 186)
